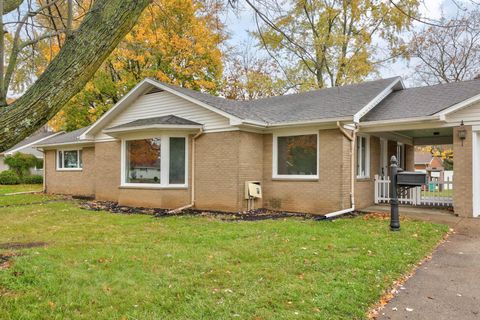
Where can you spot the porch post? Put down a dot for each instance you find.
(394, 217)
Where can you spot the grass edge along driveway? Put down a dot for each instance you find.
(107, 266)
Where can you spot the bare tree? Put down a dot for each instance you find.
(82, 52)
(448, 53)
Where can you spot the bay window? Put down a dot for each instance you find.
(363, 156)
(155, 162)
(69, 159)
(295, 156)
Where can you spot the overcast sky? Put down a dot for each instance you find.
(239, 24)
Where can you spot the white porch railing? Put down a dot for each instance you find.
(434, 193)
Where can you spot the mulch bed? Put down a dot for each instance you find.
(252, 215)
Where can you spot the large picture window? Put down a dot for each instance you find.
(69, 160)
(157, 162)
(296, 156)
(363, 157)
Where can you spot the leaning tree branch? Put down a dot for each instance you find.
(81, 55)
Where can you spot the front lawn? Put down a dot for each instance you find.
(98, 265)
(4, 189)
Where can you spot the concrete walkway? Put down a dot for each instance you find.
(447, 286)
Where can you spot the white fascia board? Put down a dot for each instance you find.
(458, 106)
(375, 101)
(64, 144)
(308, 122)
(154, 126)
(32, 143)
(398, 121)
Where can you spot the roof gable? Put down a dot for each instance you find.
(424, 101)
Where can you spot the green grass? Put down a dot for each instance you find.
(444, 193)
(4, 189)
(106, 266)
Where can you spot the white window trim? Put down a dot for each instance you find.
(401, 161)
(367, 158)
(164, 165)
(275, 174)
(57, 160)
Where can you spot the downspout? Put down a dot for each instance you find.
(192, 200)
(352, 138)
(44, 171)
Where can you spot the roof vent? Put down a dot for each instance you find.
(154, 90)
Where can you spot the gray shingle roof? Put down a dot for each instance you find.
(423, 101)
(68, 137)
(338, 102)
(30, 140)
(171, 119)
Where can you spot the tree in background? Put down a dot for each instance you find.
(249, 75)
(174, 41)
(323, 43)
(447, 53)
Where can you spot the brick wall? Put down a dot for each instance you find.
(325, 195)
(70, 182)
(462, 181)
(217, 185)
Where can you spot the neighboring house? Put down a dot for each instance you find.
(170, 147)
(26, 146)
(422, 161)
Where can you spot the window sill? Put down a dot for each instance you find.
(313, 179)
(364, 179)
(69, 170)
(153, 187)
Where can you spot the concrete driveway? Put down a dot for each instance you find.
(447, 286)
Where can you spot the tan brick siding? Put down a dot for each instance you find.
(250, 165)
(462, 181)
(107, 160)
(80, 183)
(217, 184)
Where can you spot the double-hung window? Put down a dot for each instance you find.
(69, 159)
(295, 156)
(363, 156)
(156, 162)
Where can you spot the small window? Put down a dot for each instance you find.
(296, 156)
(177, 161)
(69, 160)
(363, 158)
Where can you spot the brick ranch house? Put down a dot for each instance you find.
(169, 147)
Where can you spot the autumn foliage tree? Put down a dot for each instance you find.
(174, 41)
(325, 43)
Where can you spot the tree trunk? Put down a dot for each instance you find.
(81, 55)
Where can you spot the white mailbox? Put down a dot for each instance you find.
(253, 189)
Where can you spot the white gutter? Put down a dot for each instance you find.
(192, 203)
(352, 137)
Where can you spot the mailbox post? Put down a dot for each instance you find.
(394, 217)
(401, 181)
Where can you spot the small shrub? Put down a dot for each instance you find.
(9, 177)
(33, 179)
(21, 163)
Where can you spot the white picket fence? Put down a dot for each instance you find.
(438, 194)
